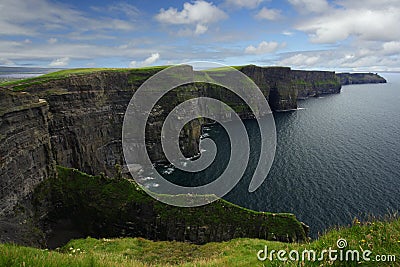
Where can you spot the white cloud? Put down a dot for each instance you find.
(148, 61)
(127, 9)
(60, 62)
(6, 62)
(300, 60)
(310, 6)
(391, 47)
(371, 4)
(30, 18)
(151, 59)
(52, 40)
(287, 33)
(200, 29)
(264, 48)
(6, 45)
(268, 14)
(199, 13)
(133, 64)
(364, 32)
(244, 3)
(371, 23)
(17, 51)
(7, 28)
(371, 57)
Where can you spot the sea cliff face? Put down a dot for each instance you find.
(76, 121)
(25, 150)
(315, 83)
(283, 86)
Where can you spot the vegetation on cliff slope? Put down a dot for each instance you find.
(102, 206)
(381, 237)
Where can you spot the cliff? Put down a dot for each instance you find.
(359, 78)
(315, 83)
(25, 149)
(74, 119)
(283, 86)
(26, 161)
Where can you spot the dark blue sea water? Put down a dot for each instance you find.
(337, 158)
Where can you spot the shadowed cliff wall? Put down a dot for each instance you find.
(25, 150)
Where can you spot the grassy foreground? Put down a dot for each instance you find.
(381, 237)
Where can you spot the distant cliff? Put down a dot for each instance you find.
(283, 86)
(359, 78)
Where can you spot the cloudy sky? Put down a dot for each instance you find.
(305, 34)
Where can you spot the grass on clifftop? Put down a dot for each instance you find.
(381, 237)
(24, 83)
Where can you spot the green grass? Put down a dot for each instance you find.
(381, 237)
(222, 69)
(19, 85)
(57, 75)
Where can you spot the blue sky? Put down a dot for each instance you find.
(355, 35)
